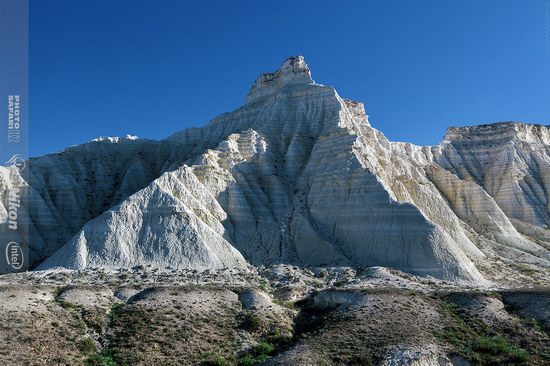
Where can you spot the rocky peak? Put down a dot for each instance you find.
(293, 71)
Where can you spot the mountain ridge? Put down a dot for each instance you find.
(298, 175)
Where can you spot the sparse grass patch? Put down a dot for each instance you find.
(525, 269)
(101, 359)
(87, 346)
(318, 285)
(69, 305)
(341, 282)
(263, 348)
(286, 304)
(279, 340)
(246, 361)
(59, 291)
(263, 284)
(259, 353)
(115, 310)
(217, 360)
(474, 341)
(535, 324)
(250, 322)
(497, 346)
(267, 347)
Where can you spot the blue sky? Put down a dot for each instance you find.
(151, 68)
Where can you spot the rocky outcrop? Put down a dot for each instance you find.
(510, 162)
(297, 175)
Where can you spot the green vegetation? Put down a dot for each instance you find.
(104, 358)
(259, 353)
(263, 284)
(246, 361)
(265, 349)
(341, 282)
(87, 346)
(250, 322)
(279, 340)
(107, 356)
(69, 305)
(525, 269)
(496, 346)
(535, 324)
(286, 304)
(474, 341)
(217, 360)
(59, 291)
(269, 346)
(115, 310)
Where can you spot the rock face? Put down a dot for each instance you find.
(296, 175)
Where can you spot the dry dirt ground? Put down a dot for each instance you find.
(276, 316)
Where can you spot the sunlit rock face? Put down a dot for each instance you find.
(296, 175)
(509, 160)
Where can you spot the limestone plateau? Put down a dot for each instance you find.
(297, 176)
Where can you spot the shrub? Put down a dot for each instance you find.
(100, 360)
(69, 305)
(87, 346)
(263, 348)
(279, 340)
(251, 322)
(499, 346)
(246, 361)
(286, 304)
(260, 352)
(216, 360)
(115, 310)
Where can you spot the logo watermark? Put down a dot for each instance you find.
(14, 118)
(14, 256)
(14, 202)
(16, 161)
(14, 128)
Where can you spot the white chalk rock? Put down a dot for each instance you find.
(297, 175)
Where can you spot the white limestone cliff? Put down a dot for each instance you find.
(296, 175)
